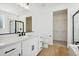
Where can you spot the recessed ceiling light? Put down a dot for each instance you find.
(27, 3)
(24, 5)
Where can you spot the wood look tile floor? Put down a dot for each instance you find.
(54, 50)
(60, 43)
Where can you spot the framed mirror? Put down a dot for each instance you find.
(16, 26)
(7, 23)
(76, 28)
(19, 26)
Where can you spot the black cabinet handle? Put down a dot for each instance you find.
(9, 50)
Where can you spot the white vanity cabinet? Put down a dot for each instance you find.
(11, 50)
(30, 47)
(25, 46)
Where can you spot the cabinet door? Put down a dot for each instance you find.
(12, 50)
(30, 47)
(40, 44)
(35, 46)
(26, 48)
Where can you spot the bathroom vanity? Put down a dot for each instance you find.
(14, 45)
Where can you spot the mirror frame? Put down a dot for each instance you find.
(73, 26)
(15, 31)
(16, 24)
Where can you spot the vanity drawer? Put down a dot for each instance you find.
(12, 50)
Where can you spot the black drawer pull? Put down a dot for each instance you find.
(9, 50)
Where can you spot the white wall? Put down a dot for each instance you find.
(41, 22)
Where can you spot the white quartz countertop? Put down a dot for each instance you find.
(11, 40)
(6, 40)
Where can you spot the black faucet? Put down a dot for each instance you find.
(22, 34)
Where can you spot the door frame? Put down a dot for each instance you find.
(67, 22)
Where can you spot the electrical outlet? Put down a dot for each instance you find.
(49, 35)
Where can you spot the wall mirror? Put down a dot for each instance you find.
(17, 26)
(76, 28)
(7, 23)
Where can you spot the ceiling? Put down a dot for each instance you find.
(17, 9)
(13, 8)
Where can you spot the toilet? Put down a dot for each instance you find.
(45, 43)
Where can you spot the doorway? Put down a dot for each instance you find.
(60, 28)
